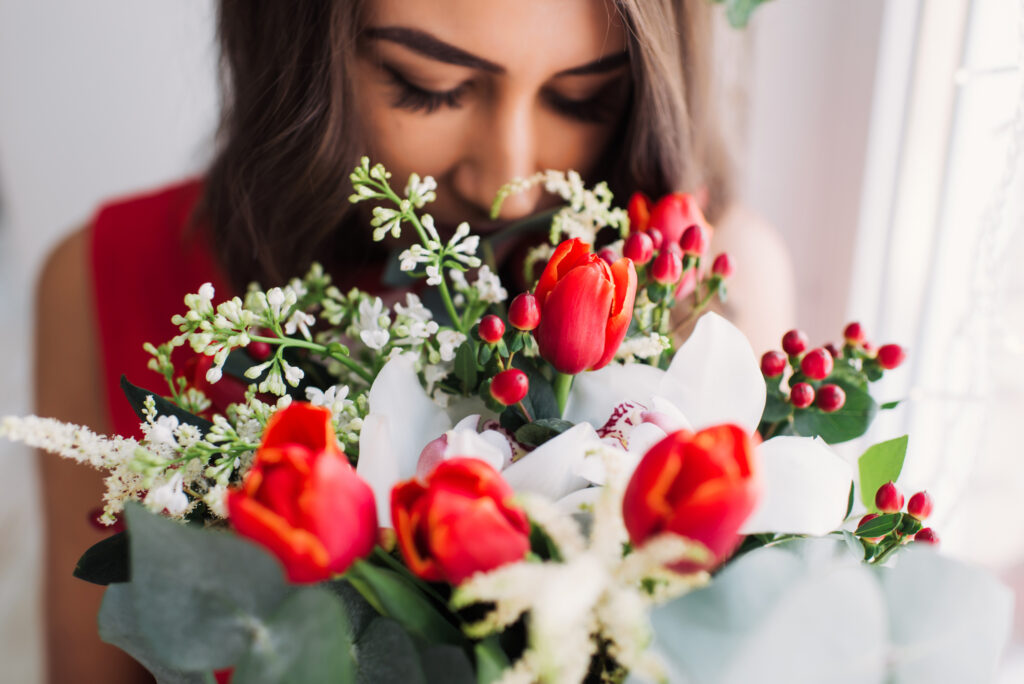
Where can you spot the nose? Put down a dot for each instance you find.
(503, 147)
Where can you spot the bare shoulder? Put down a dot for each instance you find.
(762, 291)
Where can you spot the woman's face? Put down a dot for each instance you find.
(476, 93)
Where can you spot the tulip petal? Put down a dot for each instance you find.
(571, 334)
(624, 279)
(715, 377)
(550, 469)
(568, 255)
(805, 488)
(402, 420)
(595, 395)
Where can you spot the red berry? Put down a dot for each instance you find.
(794, 342)
(817, 364)
(801, 395)
(722, 266)
(773, 363)
(854, 334)
(890, 356)
(259, 351)
(510, 386)
(524, 312)
(491, 329)
(639, 247)
(609, 255)
(920, 505)
(693, 240)
(639, 210)
(830, 398)
(833, 350)
(926, 535)
(888, 499)
(667, 267)
(657, 237)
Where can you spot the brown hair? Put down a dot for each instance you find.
(276, 194)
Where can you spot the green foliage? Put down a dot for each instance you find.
(880, 526)
(881, 463)
(539, 431)
(466, 369)
(137, 398)
(105, 562)
(850, 422)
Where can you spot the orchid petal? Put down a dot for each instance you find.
(806, 487)
(401, 421)
(643, 437)
(579, 501)
(715, 377)
(468, 443)
(595, 394)
(550, 469)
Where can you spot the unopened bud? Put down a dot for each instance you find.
(491, 329)
(510, 386)
(667, 267)
(801, 395)
(817, 364)
(524, 312)
(794, 342)
(920, 505)
(773, 363)
(888, 499)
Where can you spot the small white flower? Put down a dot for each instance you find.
(275, 300)
(168, 496)
(419, 191)
(299, 320)
(449, 340)
(216, 500)
(375, 339)
(433, 275)
(488, 286)
(162, 430)
(214, 374)
(292, 374)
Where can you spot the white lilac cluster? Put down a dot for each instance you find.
(346, 414)
(649, 346)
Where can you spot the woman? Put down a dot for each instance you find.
(473, 93)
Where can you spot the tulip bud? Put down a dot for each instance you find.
(609, 255)
(657, 238)
(854, 334)
(890, 356)
(491, 329)
(693, 241)
(801, 395)
(920, 505)
(722, 266)
(794, 342)
(524, 312)
(773, 363)
(667, 267)
(510, 386)
(639, 210)
(888, 499)
(926, 535)
(639, 248)
(830, 398)
(817, 364)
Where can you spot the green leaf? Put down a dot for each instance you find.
(881, 463)
(540, 400)
(540, 431)
(105, 562)
(137, 398)
(448, 664)
(306, 640)
(518, 342)
(846, 374)
(486, 351)
(889, 405)
(491, 660)
(360, 613)
(465, 366)
(880, 526)
(849, 502)
(199, 594)
(396, 597)
(776, 408)
(849, 422)
(118, 626)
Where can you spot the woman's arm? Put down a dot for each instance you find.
(68, 387)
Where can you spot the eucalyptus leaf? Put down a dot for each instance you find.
(880, 464)
(137, 398)
(306, 640)
(105, 562)
(200, 595)
(447, 664)
(386, 653)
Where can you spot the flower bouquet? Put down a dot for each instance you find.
(540, 491)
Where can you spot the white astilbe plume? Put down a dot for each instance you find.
(595, 597)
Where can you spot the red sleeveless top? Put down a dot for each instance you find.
(144, 261)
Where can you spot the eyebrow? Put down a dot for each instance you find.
(429, 46)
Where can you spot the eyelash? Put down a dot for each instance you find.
(598, 108)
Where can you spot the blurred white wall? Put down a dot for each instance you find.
(106, 97)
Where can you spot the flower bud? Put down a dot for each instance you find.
(657, 238)
(830, 398)
(639, 210)
(639, 247)
(667, 267)
(801, 395)
(817, 364)
(794, 342)
(609, 255)
(890, 356)
(773, 363)
(722, 266)
(693, 240)
(491, 329)
(510, 386)
(920, 505)
(853, 333)
(524, 312)
(926, 535)
(888, 499)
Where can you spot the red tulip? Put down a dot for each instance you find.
(586, 306)
(459, 522)
(302, 500)
(639, 210)
(674, 213)
(700, 486)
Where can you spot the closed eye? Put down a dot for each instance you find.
(414, 98)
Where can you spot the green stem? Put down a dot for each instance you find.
(449, 305)
(563, 383)
(346, 361)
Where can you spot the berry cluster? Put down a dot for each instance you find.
(510, 385)
(822, 377)
(883, 532)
